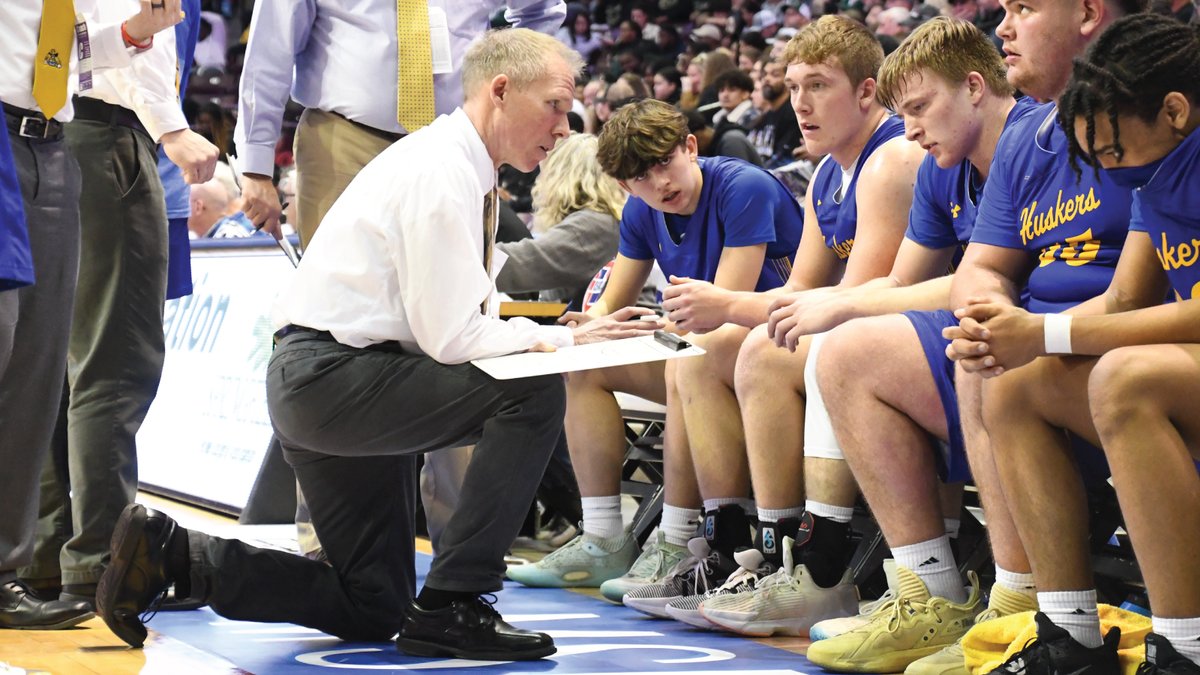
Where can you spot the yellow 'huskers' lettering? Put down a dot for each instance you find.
(1181, 255)
(842, 248)
(1034, 224)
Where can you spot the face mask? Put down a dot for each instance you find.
(1133, 177)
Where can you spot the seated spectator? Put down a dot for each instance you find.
(668, 85)
(577, 34)
(725, 140)
(576, 209)
(733, 93)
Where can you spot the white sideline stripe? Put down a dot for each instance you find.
(513, 618)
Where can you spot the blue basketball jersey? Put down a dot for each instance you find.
(16, 259)
(1168, 209)
(945, 201)
(740, 205)
(837, 213)
(1033, 200)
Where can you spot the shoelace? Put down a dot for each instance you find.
(152, 610)
(654, 564)
(743, 580)
(1031, 654)
(897, 608)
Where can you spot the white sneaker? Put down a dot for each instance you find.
(787, 602)
(652, 566)
(752, 568)
(835, 627)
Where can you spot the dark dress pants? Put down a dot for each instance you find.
(351, 422)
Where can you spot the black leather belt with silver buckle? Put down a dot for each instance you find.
(31, 124)
(95, 110)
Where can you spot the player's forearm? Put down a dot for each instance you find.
(750, 309)
(977, 281)
(926, 296)
(1175, 323)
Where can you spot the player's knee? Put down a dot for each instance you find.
(1117, 386)
(843, 348)
(754, 359)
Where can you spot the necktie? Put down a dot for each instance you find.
(414, 65)
(491, 219)
(50, 66)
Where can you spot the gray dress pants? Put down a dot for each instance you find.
(116, 352)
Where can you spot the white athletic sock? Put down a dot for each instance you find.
(838, 514)
(1020, 582)
(933, 562)
(1183, 634)
(776, 515)
(951, 525)
(602, 516)
(711, 505)
(679, 524)
(1076, 612)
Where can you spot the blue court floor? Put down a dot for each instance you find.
(593, 636)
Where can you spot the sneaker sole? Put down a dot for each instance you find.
(655, 607)
(537, 582)
(742, 626)
(892, 662)
(114, 576)
(422, 648)
(691, 617)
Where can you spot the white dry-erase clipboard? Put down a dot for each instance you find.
(642, 349)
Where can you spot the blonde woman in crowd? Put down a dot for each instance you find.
(576, 208)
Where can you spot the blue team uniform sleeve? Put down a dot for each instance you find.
(1137, 222)
(928, 222)
(997, 222)
(747, 204)
(636, 230)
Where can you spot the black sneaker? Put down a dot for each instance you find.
(1055, 652)
(703, 570)
(1161, 657)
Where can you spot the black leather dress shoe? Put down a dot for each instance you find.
(21, 610)
(137, 573)
(468, 629)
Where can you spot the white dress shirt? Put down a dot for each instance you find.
(20, 22)
(399, 256)
(147, 85)
(340, 56)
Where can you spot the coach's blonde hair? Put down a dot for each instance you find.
(519, 53)
(949, 48)
(571, 180)
(842, 41)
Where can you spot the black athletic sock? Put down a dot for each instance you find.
(727, 529)
(823, 546)
(769, 539)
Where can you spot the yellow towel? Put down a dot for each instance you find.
(991, 643)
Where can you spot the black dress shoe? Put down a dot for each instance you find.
(21, 610)
(138, 572)
(468, 629)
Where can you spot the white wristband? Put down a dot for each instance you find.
(1058, 334)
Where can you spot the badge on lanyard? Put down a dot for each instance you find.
(85, 53)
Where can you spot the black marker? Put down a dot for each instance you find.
(670, 340)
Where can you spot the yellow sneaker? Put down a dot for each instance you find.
(951, 661)
(915, 625)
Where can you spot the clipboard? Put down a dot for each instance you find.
(644, 349)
